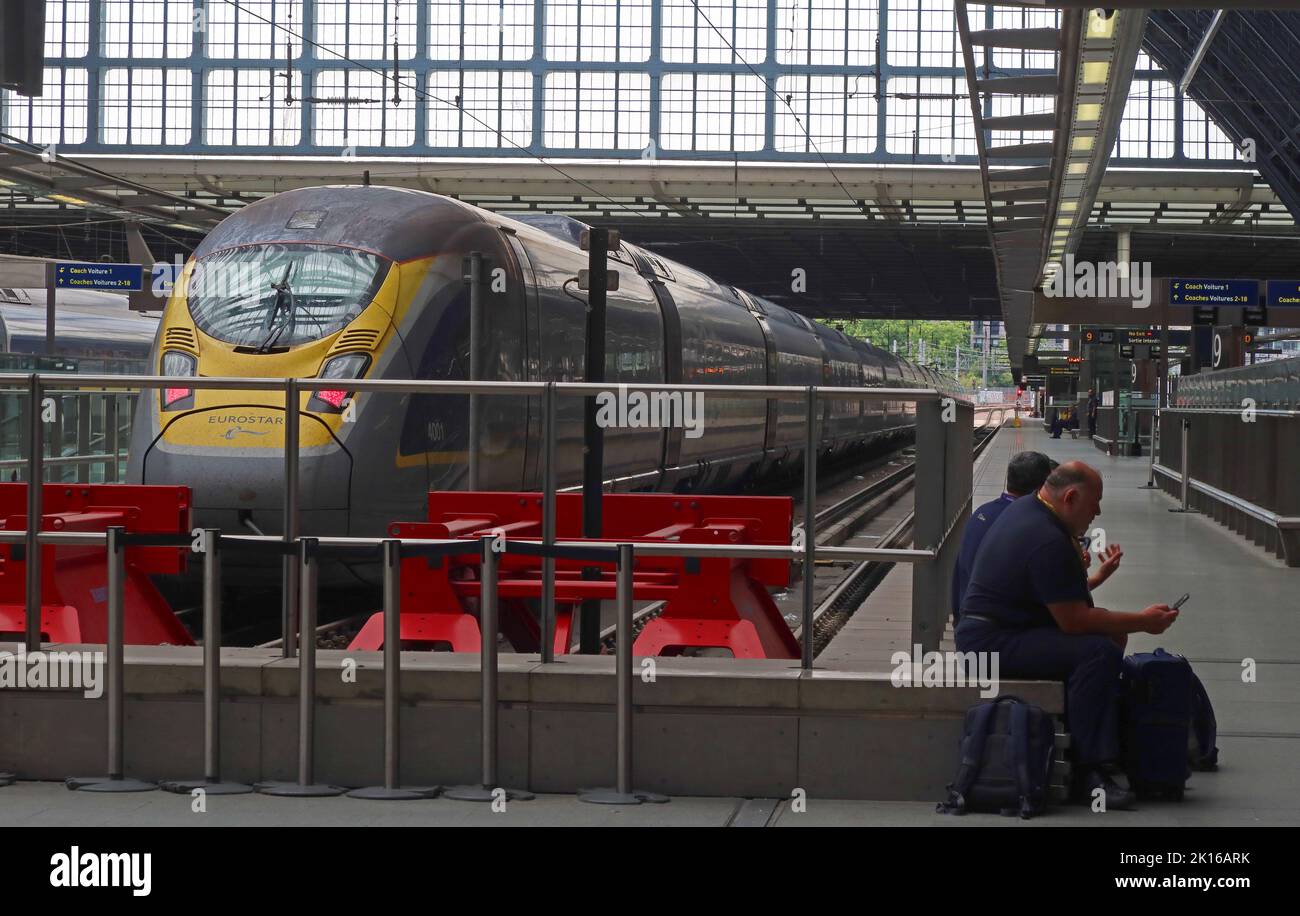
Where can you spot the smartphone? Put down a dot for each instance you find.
(1179, 603)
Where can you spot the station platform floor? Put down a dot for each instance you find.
(1242, 607)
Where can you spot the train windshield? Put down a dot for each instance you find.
(269, 297)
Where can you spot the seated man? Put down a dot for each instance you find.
(1026, 472)
(1028, 601)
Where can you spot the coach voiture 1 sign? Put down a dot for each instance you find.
(120, 278)
(1213, 293)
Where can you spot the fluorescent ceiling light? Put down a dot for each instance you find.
(1087, 111)
(1082, 144)
(1100, 26)
(1077, 168)
(1069, 206)
(67, 199)
(6, 183)
(1095, 72)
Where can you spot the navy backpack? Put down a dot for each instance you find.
(1006, 760)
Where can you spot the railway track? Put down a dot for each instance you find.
(834, 608)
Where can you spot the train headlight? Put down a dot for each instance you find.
(179, 365)
(348, 366)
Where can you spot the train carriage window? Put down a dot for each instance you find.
(281, 295)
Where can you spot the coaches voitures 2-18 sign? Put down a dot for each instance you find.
(120, 278)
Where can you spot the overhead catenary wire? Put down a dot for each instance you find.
(772, 89)
(421, 93)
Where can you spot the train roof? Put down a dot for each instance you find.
(396, 223)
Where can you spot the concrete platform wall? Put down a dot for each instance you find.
(702, 727)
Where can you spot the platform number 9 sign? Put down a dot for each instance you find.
(1218, 349)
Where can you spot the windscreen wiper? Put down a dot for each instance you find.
(285, 304)
(282, 290)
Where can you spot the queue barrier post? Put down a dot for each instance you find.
(306, 786)
(622, 793)
(211, 783)
(488, 789)
(392, 789)
(114, 690)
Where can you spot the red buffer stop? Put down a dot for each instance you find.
(74, 579)
(710, 602)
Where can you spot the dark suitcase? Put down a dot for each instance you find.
(1156, 712)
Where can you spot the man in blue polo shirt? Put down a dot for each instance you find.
(1028, 600)
(1026, 472)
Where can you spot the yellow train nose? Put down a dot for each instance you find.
(240, 449)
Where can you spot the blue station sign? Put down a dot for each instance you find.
(1212, 293)
(1283, 294)
(119, 278)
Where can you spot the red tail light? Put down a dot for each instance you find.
(348, 366)
(333, 398)
(178, 365)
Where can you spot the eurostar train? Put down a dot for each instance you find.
(368, 282)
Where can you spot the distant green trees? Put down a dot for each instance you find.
(946, 342)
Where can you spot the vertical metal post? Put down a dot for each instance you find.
(110, 438)
(307, 663)
(488, 660)
(51, 299)
(211, 781)
(307, 589)
(35, 495)
(549, 471)
(809, 522)
(1187, 464)
(115, 689)
(392, 559)
(114, 686)
(1155, 445)
(927, 575)
(392, 789)
(212, 654)
(476, 308)
(622, 792)
(623, 669)
(291, 583)
(488, 788)
(83, 405)
(593, 464)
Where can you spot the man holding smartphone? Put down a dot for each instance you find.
(1029, 601)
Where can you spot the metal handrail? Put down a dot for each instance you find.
(443, 386)
(1257, 512)
(646, 548)
(292, 388)
(1236, 411)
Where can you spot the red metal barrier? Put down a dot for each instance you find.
(711, 602)
(74, 579)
